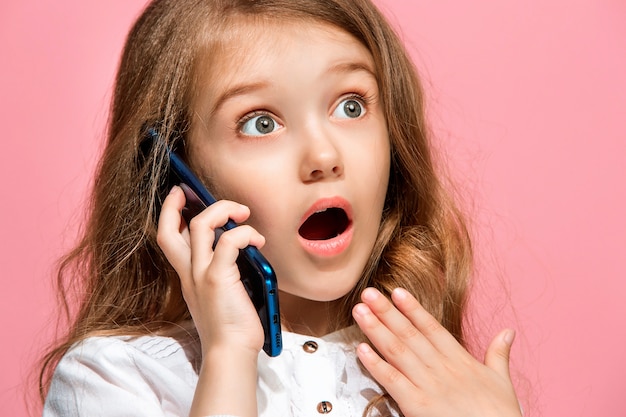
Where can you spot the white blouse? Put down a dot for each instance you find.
(154, 376)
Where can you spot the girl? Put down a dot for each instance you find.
(306, 118)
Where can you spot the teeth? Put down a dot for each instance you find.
(321, 211)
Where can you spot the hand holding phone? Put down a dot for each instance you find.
(257, 275)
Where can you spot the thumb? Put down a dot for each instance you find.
(498, 353)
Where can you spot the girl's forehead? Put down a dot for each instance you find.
(243, 48)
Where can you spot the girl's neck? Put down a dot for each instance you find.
(303, 316)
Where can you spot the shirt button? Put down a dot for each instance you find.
(324, 407)
(309, 347)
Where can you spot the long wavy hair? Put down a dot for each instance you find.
(117, 280)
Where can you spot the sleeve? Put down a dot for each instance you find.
(107, 377)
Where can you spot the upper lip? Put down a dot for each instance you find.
(326, 203)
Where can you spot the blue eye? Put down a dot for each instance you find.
(350, 108)
(259, 125)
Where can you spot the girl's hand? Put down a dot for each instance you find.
(228, 325)
(217, 300)
(425, 370)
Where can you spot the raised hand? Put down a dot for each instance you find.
(425, 369)
(229, 328)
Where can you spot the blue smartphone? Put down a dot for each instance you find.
(257, 274)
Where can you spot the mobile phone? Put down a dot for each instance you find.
(257, 275)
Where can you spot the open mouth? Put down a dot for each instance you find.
(325, 224)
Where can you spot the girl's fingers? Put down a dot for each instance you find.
(398, 324)
(395, 350)
(190, 249)
(439, 336)
(202, 231)
(394, 381)
(498, 353)
(228, 249)
(174, 245)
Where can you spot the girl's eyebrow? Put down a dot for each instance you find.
(237, 90)
(245, 88)
(345, 67)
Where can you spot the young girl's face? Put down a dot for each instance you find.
(288, 121)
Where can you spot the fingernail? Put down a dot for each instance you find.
(174, 188)
(400, 293)
(369, 294)
(361, 310)
(364, 348)
(509, 336)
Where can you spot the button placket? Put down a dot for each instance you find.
(314, 373)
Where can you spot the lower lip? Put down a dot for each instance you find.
(328, 247)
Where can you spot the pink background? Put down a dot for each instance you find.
(528, 98)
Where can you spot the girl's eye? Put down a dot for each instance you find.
(350, 108)
(259, 125)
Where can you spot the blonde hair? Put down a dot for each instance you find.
(125, 284)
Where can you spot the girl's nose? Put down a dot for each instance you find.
(321, 159)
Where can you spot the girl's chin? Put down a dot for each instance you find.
(317, 283)
(316, 295)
